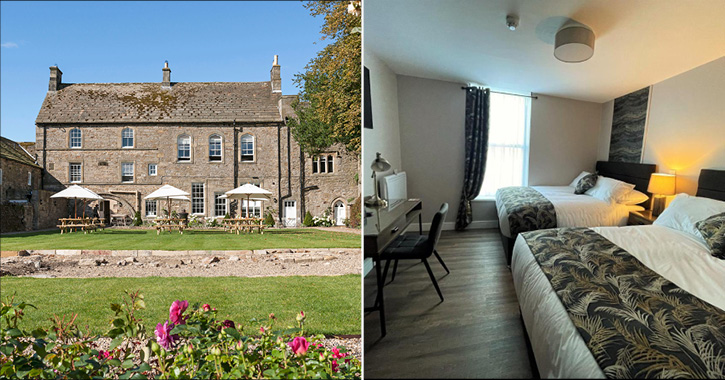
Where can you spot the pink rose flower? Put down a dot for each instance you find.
(206, 307)
(301, 317)
(104, 354)
(334, 366)
(176, 310)
(226, 324)
(299, 345)
(261, 329)
(163, 336)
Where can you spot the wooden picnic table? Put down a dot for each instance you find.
(243, 224)
(170, 224)
(85, 224)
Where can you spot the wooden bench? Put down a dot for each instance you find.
(169, 227)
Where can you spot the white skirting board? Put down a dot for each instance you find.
(450, 226)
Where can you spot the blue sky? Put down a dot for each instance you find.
(97, 42)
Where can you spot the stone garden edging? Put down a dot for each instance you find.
(142, 253)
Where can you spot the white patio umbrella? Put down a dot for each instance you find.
(77, 192)
(248, 192)
(168, 193)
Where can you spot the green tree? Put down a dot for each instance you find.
(307, 222)
(328, 107)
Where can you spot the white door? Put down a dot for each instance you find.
(339, 213)
(290, 213)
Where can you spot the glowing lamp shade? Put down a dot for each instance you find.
(661, 184)
(574, 44)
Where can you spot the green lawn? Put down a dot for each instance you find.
(111, 239)
(332, 304)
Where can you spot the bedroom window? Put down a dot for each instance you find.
(127, 138)
(74, 139)
(183, 144)
(507, 162)
(215, 148)
(247, 148)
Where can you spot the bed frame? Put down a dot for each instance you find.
(711, 184)
(637, 174)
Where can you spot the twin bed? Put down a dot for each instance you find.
(638, 301)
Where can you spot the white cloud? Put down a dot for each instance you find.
(9, 45)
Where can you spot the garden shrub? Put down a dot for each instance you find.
(355, 212)
(137, 221)
(191, 343)
(308, 220)
(269, 220)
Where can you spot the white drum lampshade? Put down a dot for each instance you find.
(574, 44)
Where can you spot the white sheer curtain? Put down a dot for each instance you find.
(508, 144)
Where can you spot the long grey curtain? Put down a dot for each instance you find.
(477, 111)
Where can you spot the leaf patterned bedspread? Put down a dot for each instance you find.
(527, 209)
(636, 323)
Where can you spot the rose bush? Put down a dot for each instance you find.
(192, 343)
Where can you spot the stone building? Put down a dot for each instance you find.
(23, 205)
(125, 140)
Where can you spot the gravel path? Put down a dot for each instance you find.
(274, 263)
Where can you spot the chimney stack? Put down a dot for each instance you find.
(166, 83)
(275, 76)
(56, 78)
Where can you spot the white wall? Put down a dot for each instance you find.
(432, 127)
(685, 124)
(385, 135)
(563, 142)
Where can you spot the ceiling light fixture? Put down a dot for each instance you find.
(574, 43)
(512, 22)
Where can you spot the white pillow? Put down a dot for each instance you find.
(579, 177)
(609, 189)
(634, 197)
(685, 211)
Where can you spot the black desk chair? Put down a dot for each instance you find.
(418, 247)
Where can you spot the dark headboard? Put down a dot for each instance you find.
(711, 184)
(636, 174)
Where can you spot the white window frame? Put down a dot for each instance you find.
(155, 171)
(323, 163)
(30, 179)
(80, 172)
(123, 172)
(242, 149)
(523, 145)
(200, 200)
(179, 142)
(255, 208)
(220, 149)
(124, 138)
(155, 207)
(72, 138)
(218, 204)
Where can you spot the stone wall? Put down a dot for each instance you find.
(101, 156)
(15, 180)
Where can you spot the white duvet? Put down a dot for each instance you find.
(574, 210)
(558, 347)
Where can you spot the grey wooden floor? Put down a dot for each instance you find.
(475, 332)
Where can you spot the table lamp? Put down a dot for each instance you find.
(660, 185)
(379, 165)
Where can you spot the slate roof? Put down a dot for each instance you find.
(13, 151)
(186, 102)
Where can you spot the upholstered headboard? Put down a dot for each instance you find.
(636, 174)
(711, 184)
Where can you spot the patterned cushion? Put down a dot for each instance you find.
(713, 230)
(586, 183)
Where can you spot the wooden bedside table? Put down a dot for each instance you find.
(640, 218)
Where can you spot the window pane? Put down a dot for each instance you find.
(150, 208)
(220, 205)
(506, 162)
(323, 167)
(314, 164)
(75, 138)
(255, 209)
(329, 164)
(197, 198)
(75, 172)
(127, 172)
(152, 169)
(127, 138)
(247, 148)
(184, 148)
(215, 148)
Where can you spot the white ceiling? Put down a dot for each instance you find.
(638, 42)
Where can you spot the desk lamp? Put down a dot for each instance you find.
(379, 165)
(660, 184)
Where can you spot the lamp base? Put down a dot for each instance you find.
(658, 205)
(376, 201)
